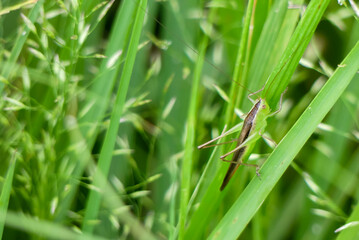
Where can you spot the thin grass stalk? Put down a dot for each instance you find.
(94, 199)
(5, 193)
(98, 99)
(190, 138)
(240, 70)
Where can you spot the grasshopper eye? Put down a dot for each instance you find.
(263, 106)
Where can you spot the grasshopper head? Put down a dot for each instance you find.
(263, 110)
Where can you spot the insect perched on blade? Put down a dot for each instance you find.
(253, 126)
(255, 122)
(258, 113)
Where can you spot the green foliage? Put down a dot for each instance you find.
(103, 105)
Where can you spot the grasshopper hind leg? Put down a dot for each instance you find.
(233, 168)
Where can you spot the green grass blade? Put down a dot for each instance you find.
(241, 65)
(61, 79)
(98, 98)
(112, 201)
(262, 56)
(202, 215)
(211, 197)
(5, 193)
(190, 138)
(104, 162)
(351, 228)
(337, 173)
(280, 77)
(242, 211)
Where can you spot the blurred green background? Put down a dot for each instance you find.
(103, 105)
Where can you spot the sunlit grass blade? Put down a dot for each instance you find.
(94, 200)
(15, 7)
(242, 211)
(270, 46)
(281, 75)
(264, 52)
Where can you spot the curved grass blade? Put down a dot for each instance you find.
(264, 51)
(280, 77)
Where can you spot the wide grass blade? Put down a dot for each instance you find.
(280, 77)
(264, 51)
(333, 153)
